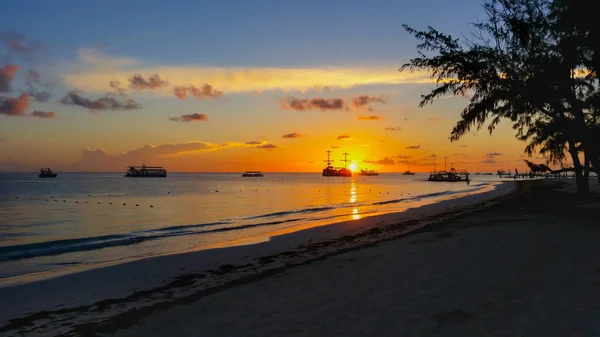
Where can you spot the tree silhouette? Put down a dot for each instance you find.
(524, 64)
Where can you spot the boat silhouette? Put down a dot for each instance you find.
(330, 171)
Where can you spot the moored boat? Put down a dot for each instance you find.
(146, 172)
(448, 176)
(330, 171)
(368, 173)
(253, 174)
(408, 173)
(47, 173)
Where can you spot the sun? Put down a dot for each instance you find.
(352, 167)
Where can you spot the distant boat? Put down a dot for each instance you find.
(448, 176)
(253, 174)
(368, 173)
(443, 176)
(408, 173)
(146, 172)
(487, 174)
(330, 171)
(47, 173)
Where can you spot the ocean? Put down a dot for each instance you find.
(87, 220)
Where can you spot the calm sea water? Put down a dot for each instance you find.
(89, 219)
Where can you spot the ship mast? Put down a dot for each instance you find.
(345, 158)
(328, 161)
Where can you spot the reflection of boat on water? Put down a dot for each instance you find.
(253, 174)
(146, 172)
(408, 173)
(368, 173)
(330, 171)
(47, 173)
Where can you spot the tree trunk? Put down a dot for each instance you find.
(583, 185)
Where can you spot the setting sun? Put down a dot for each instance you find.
(352, 167)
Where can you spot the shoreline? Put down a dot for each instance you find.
(244, 241)
(142, 284)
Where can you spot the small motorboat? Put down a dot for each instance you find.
(253, 174)
(368, 173)
(408, 173)
(146, 172)
(47, 173)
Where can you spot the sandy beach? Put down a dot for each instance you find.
(517, 264)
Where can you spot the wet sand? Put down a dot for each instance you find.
(523, 266)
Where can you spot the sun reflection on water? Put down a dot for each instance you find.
(355, 214)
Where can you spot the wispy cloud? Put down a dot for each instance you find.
(390, 128)
(344, 136)
(100, 160)
(267, 146)
(292, 135)
(363, 101)
(253, 143)
(333, 147)
(103, 63)
(194, 117)
(16, 107)
(403, 157)
(7, 74)
(138, 82)
(413, 147)
(369, 118)
(33, 79)
(293, 103)
(205, 91)
(44, 114)
(17, 43)
(99, 69)
(109, 102)
(493, 154)
(434, 119)
(489, 160)
(384, 161)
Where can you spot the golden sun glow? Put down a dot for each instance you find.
(352, 167)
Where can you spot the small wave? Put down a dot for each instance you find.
(299, 211)
(58, 247)
(428, 195)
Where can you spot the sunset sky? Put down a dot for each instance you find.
(230, 86)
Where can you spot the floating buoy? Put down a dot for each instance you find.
(136, 205)
(64, 201)
(86, 202)
(217, 191)
(110, 203)
(168, 192)
(124, 204)
(151, 206)
(76, 202)
(98, 202)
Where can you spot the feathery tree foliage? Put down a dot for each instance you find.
(531, 62)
